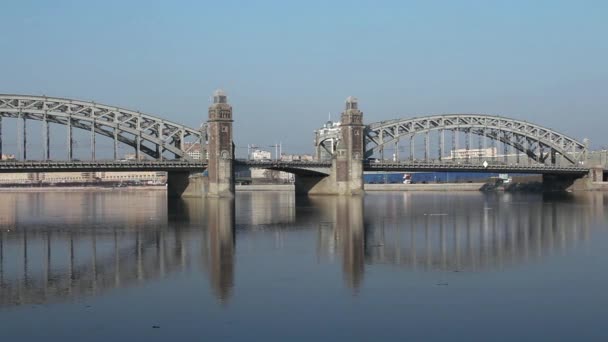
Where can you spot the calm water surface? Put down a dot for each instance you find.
(132, 266)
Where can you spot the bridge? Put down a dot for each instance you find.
(343, 152)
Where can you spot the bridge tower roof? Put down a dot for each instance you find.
(351, 102)
(219, 96)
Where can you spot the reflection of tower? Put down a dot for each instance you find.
(345, 214)
(221, 152)
(351, 239)
(218, 254)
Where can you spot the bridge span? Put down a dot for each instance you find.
(449, 142)
(405, 166)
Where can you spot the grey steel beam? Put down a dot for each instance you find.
(46, 151)
(467, 142)
(24, 138)
(441, 138)
(426, 147)
(70, 140)
(138, 141)
(93, 140)
(505, 148)
(480, 151)
(396, 150)
(157, 131)
(454, 145)
(115, 143)
(477, 123)
(412, 153)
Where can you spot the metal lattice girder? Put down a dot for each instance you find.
(132, 127)
(523, 136)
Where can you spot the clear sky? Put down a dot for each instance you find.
(286, 64)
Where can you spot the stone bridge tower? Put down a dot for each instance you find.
(346, 174)
(349, 158)
(221, 149)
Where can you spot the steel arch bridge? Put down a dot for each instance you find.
(147, 134)
(536, 142)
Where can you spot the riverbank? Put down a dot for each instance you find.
(83, 188)
(375, 187)
(261, 187)
(425, 187)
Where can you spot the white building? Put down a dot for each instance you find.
(194, 150)
(326, 140)
(296, 157)
(261, 155)
(463, 153)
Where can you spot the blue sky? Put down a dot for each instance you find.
(286, 64)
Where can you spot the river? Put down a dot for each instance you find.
(420, 266)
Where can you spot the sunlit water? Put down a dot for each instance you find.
(131, 265)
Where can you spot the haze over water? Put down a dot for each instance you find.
(131, 265)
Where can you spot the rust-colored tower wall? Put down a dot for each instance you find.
(220, 149)
(349, 159)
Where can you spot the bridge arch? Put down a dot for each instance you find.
(535, 141)
(122, 125)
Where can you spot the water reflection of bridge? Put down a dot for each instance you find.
(483, 232)
(43, 262)
(426, 231)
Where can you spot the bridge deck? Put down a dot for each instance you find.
(290, 166)
(93, 166)
(493, 168)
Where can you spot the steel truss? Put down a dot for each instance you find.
(122, 125)
(537, 142)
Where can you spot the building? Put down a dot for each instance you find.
(195, 151)
(261, 155)
(473, 153)
(326, 140)
(264, 176)
(54, 178)
(297, 157)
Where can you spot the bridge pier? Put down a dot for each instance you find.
(346, 173)
(221, 149)
(186, 184)
(553, 182)
(596, 174)
(219, 181)
(348, 165)
(315, 184)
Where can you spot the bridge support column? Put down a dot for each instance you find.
(220, 147)
(316, 185)
(596, 174)
(557, 182)
(346, 174)
(186, 184)
(348, 166)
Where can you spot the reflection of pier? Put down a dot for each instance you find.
(45, 262)
(342, 231)
(217, 241)
(425, 231)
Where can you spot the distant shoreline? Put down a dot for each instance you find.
(256, 187)
(82, 188)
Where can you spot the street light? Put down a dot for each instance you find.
(277, 151)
